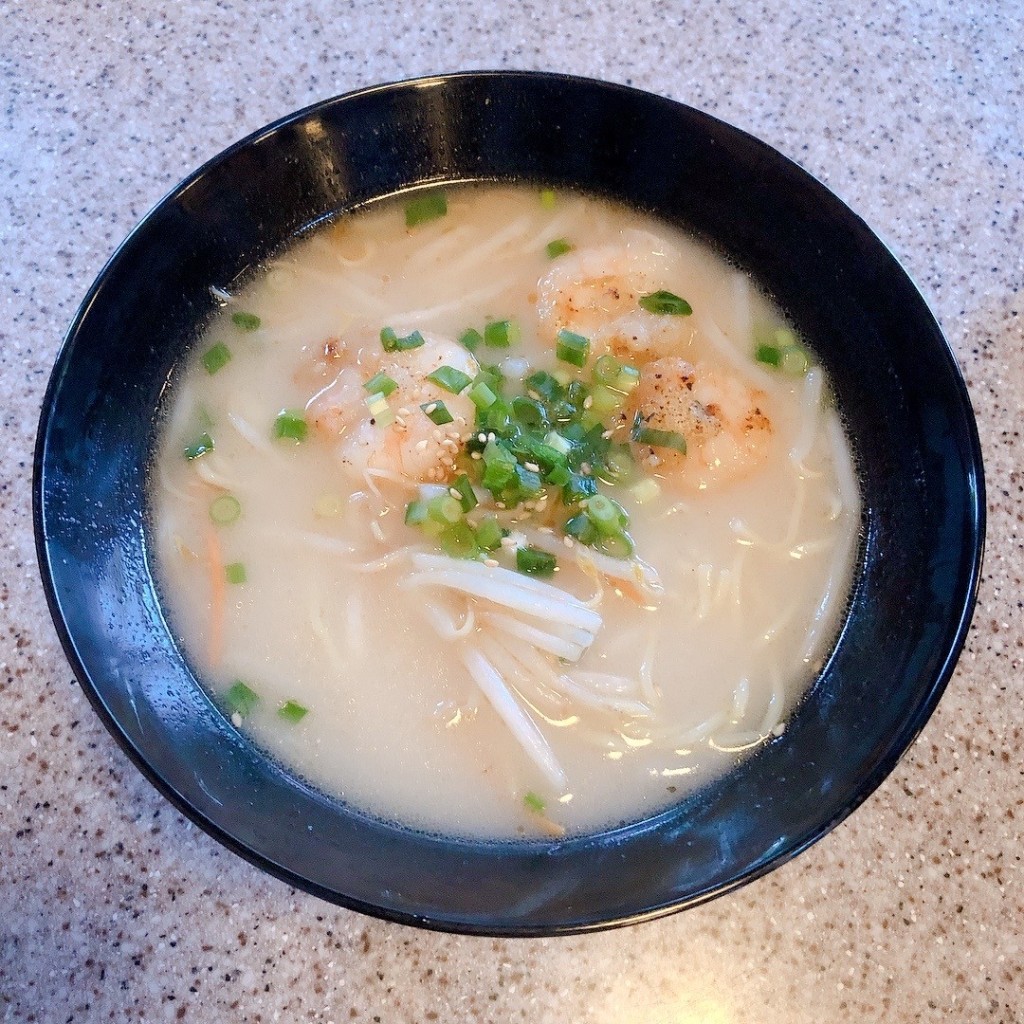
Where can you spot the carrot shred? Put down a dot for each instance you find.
(218, 587)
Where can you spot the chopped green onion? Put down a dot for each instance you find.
(559, 443)
(391, 342)
(616, 545)
(482, 396)
(768, 354)
(608, 516)
(559, 247)
(572, 348)
(450, 379)
(216, 358)
(291, 425)
(645, 491)
(656, 438)
(444, 509)
(581, 528)
(606, 370)
(544, 385)
(559, 475)
(437, 412)
(606, 400)
(471, 339)
(380, 384)
(618, 464)
(666, 304)
(501, 333)
(415, 513)
(459, 541)
(292, 711)
(241, 700)
(225, 509)
(381, 414)
(535, 562)
(578, 488)
(467, 498)
(547, 198)
(235, 573)
(199, 447)
(488, 534)
(246, 321)
(529, 412)
(492, 377)
(425, 208)
(534, 803)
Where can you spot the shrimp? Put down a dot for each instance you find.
(596, 292)
(412, 448)
(726, 422)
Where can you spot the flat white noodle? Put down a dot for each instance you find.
(810, 408)
(525, 730)
(745, 368)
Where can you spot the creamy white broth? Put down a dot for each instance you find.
(754, 570)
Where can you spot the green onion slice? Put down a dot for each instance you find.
(489, 534)
(558, 247)
(235, 573)
(450, 379)
(657, 438)
(482, 396)
(292, 711)
(501, 333)
(665, 304)
(467, 497)
(548, 198)
(199, 447)
(471, 339)
(459, 541)
(380, 384)
(535, 562)
(437, 412)
(291, 425)
(425, 208)
(391, 342)
(534, 803)
(216, 358)
(241, 700)
(572, 348)
(246, 321)
(225, 509)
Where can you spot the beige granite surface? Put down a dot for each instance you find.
(113, 907)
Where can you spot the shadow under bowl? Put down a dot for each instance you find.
(895, 380)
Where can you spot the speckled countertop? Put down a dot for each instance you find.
(113, 907)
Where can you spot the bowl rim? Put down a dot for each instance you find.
(899, 744)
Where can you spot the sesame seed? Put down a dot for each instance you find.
(491, 563)
(491, 437)
(585, 468)
(422, 445)
(404, 412)
(499, 504)
(532, 467)
(438, 436)
(568, 541)
(399, 422)
(545, 529)
(588, 401)
(236, 720)
(606, 435)
(428, 409)
(482, 437)
(475, 455)
(508, 542)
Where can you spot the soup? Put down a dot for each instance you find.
(501, 512)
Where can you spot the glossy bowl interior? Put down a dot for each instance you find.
(897, 386)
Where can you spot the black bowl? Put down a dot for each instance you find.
(896, 382)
